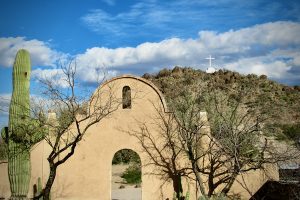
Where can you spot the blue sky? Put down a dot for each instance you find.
(257, 36)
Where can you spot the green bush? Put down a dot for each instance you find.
(292, 132)
(132, 174)
(164, 72)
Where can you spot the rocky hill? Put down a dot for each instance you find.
(284, 100)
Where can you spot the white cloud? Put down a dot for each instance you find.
(40, 52)
(256, 65)
(271, 48)
(279, 34)
(56, 75)
(166, 52)
(4, 103)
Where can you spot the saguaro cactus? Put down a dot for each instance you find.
(19, 112)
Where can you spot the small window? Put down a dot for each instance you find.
(25, 74)
(126, 95)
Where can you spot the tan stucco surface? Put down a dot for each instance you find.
(87, 174)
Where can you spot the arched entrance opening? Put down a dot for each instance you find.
(126, 180)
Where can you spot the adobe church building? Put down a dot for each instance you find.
(87, 174)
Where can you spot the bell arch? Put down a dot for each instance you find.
(126, 97)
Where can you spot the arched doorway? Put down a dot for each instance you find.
(126, 180)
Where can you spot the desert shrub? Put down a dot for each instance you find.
(263, 77)
(176, 69)
(147, 76)
(132, 174)
(3, 150)
(297, 87)
(164, 72)
(292, 131)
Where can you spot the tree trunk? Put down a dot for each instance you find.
(198, 178)
(52, 175)
(177, 186)
(211, 187)
(229, 185)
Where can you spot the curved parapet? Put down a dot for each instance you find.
(128, 76)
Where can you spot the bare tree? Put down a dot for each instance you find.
(189, 127)
(75, 115)
(230, 144)
(162, 147)
(237, 143)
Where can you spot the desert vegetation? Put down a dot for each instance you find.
(246, 113)
(281, 101)
(132, 174)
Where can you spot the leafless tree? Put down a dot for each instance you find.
(75, 115)
(237, 142)
(162, 147)
(230, 144)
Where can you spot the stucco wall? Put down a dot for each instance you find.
(87, 174)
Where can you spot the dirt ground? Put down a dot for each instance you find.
(126, 192)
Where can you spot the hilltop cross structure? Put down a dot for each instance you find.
(210, 69)
(210, 58)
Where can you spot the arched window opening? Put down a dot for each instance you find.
(126, 175)
(126, 95)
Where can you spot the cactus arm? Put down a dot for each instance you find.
(4, 134)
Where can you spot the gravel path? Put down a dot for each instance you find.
(129, 192)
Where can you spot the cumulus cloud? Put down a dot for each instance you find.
(270, 48)
(56, 75)
(279, 34)
(85, 75)
(40, 52)
(4, 103)
(256, 65)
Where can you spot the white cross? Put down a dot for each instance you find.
(210, 58)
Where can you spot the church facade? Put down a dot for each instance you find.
(87, 174)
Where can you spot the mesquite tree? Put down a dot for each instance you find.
(217, 146)
(75, 115)
(237, 142)
(162, 149)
